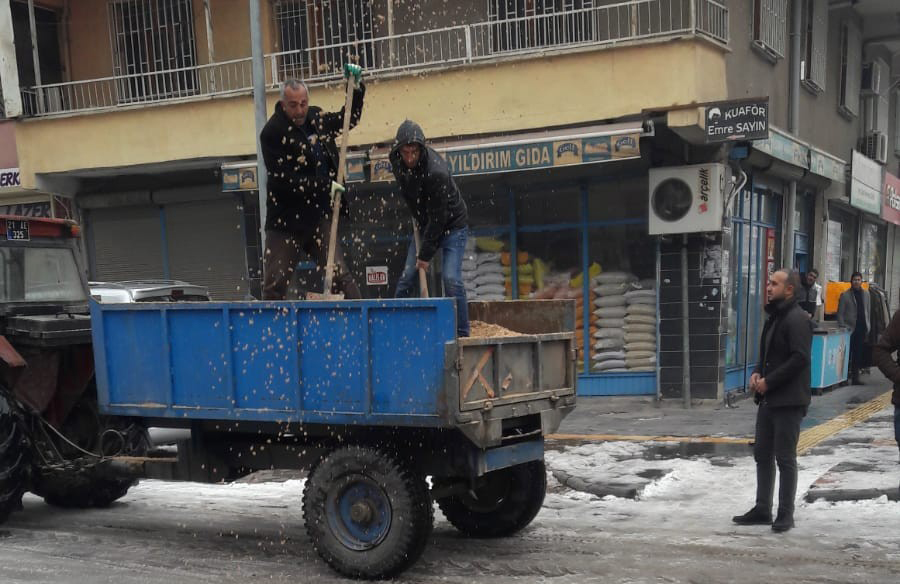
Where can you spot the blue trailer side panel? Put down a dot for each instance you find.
(369, 361)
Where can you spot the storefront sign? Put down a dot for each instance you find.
(737, 120)
(528, 156)
(376, 275)
(783, 147)
(891, 199)
(824, 164)
(9, 177)
(242, 176)
(833, 251)
(36, 210)
(865, 184)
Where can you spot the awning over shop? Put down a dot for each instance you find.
(534, 150)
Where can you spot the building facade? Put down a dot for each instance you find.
(555, 115)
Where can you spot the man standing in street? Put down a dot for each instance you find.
(440, 213)
(809, 297)
(882, 355)
(780, 384)
(853, 313)
(298, 146)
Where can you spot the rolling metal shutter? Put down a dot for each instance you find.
(206, 246)
(127, 243)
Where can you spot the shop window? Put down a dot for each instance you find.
(815, 43)
(872, 251)
(770, 27)
(851, 70)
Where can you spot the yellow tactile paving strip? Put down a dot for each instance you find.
(808, 438)
(817, 434)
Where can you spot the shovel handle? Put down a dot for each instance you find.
(341, 178)
(423, 281)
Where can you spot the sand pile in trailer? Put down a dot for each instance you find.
(483, 329)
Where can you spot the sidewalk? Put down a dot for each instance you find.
(856, 420)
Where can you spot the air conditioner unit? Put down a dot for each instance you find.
(873, 73)
(875, 146)
(687, 199)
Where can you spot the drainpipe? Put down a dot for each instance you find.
(790, 206)
(259, 107)
(35, 57)
(685, 326)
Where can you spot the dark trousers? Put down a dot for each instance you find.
(857, 338)
(283, 252)
(777, 433)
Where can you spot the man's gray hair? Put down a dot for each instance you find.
(792, 278)
(293, 84)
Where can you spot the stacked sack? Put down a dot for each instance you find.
(610, 309)
(640, 327)
(470, 270)
(524, 273)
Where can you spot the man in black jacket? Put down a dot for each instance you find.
(298, 146)
(440, 212)
(780, 383)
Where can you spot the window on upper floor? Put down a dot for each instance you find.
(770, 27)
(528, 24)
(153, 48)
(315, 36)
(897, 122)
(814, 44)
(49, 54)
(851, 65)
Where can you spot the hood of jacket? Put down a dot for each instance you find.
(409, 132)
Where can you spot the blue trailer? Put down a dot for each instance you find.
(370, 396)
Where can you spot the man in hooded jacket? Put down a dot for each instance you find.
(780, 384)
(298, 146)
(440, 213)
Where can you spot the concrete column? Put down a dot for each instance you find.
(9, 72)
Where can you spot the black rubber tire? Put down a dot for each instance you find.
(13, 460)
(506, 503)
(406, 492)
(80, 487)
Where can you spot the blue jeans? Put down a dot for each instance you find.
(453, 247)
(897, 424)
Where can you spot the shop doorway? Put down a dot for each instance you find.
(754, 249)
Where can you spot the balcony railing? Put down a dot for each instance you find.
(631, 20)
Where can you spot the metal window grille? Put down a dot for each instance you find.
(770, 26)
(318, 35)
(851, 69)
(519, 27)
(815, 39)
(897, 122)
(153, 49)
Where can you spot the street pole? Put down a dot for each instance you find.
(259, 107)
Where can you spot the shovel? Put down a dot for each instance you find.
(423, 281)
(336, 203)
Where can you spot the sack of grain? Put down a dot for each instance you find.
(606, 301)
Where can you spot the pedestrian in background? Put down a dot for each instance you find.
(882, 354)
(810, 294)
(853, 313)
(780, 384)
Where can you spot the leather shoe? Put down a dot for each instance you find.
(783, 522)
(755, 516)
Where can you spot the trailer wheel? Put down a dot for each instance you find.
(368, 515)
(13, 460)
(505, 502)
